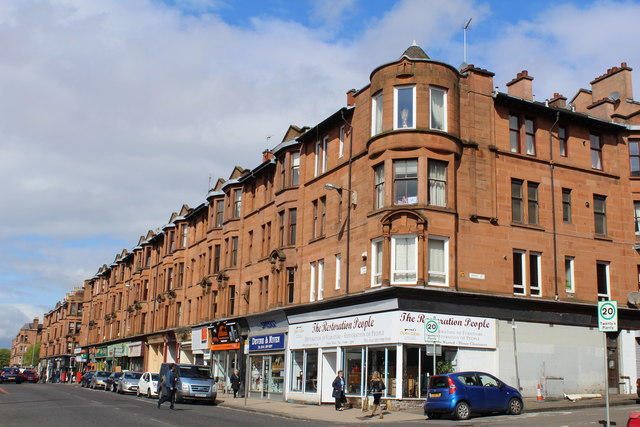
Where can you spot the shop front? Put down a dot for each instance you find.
(200, 344)
(267, 368)
(101, 359)
(185, 352)
(393, 343)
(118, 357)
(136, 355)
(225, 350)
(155, 353)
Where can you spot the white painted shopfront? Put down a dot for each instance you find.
(392, 343)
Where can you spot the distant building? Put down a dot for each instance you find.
(60, 336)
(29, 335)
(430, 196)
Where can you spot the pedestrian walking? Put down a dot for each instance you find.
(236, 379)
(375, 388)
(169, 388)
(338, 390)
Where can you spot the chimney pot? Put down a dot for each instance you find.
(351, 100)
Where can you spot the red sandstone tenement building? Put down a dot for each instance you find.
(60, 348)
(29, 334)
(429, 195)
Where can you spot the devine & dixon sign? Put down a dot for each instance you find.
(393, 327)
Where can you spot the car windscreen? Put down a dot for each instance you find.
(29, 372)
(117, 374)
(102, 374)
(133, 375)
(155, 377)
(11, 370)
(195, 372)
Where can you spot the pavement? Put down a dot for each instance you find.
(327, 412)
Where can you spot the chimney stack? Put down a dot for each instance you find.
(521, 86)
(267, 155)
(558, 101)
(351, 99)
(616, 79)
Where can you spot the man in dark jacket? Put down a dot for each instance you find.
(235, 382)
(169, 388)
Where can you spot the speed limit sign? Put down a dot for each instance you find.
(608, 316)
(432, 330)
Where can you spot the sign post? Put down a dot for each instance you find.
(607, 322)
(432, 334)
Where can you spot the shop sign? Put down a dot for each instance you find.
(101, 352)
(266, 342)
(117, 350)
(224, 336)
(394, 327)
(135, 349)
(200, 338)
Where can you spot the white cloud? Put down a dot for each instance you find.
(12, 317)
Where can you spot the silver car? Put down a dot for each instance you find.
(193, 382)
(128, 383)
(99, 380)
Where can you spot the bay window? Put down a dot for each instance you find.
(379, 186)
(437, 183)
(376, 114)
(405, 177)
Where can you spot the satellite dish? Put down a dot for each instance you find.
(614, 96)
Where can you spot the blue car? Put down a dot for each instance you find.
(461, 393)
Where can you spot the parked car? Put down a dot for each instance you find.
(634, 419)
(99, 380)
(128, 383)
(112, 381)
(461, 393)
(148, 384)
(193, 382)
(30, 376)
(10, 375)
(86, 378)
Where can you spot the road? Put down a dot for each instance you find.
(63, 405)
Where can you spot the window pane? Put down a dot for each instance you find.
(530, 140)
(404, 259)
(603, 288)
(532, 190)
(514, 134)
(517, 207)
(437, 260)
(311, 372)
(406, 181)
(295, 168)
(377, 114)
(534, 274)
(377, 262)
(353, 371)
(518, 278)
(379, 186)
(636, 212)
(297, 363)
(404, 107)
(437, 109)
(437, 183)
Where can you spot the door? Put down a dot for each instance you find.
(329, 373)
(495, 398)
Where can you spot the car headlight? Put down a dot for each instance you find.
(184, 387)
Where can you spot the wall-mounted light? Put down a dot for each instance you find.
(354, 194)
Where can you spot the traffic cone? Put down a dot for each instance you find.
(539, 397)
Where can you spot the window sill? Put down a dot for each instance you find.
(315, 239)
(527, 226)
(602, 238)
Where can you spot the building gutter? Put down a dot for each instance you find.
(553, 207)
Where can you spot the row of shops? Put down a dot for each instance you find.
(295, 354)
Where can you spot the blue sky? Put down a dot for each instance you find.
(113, 114)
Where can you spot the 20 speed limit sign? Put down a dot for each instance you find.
(432, 329)
(608, 316)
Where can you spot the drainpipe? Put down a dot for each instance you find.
(350, 191)
(553, 207)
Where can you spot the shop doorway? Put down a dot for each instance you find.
(329, 373)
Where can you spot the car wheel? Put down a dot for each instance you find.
(138, 393)
(515, 406)
(149, 392)
(434, 415)
(462, 411)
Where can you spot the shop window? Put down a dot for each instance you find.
(353, 371)
(376, 114)
(404, 254)
(634, 157)
(438, 117)
(297, 370)
(405, 180)
(311, 371)
(437, 183)
(383, 361)
(438, 257)
(304, 371)
(569, 276)
(602, 277)
(376, 262)
(600, 214)
(596, 151)
(404, 107)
